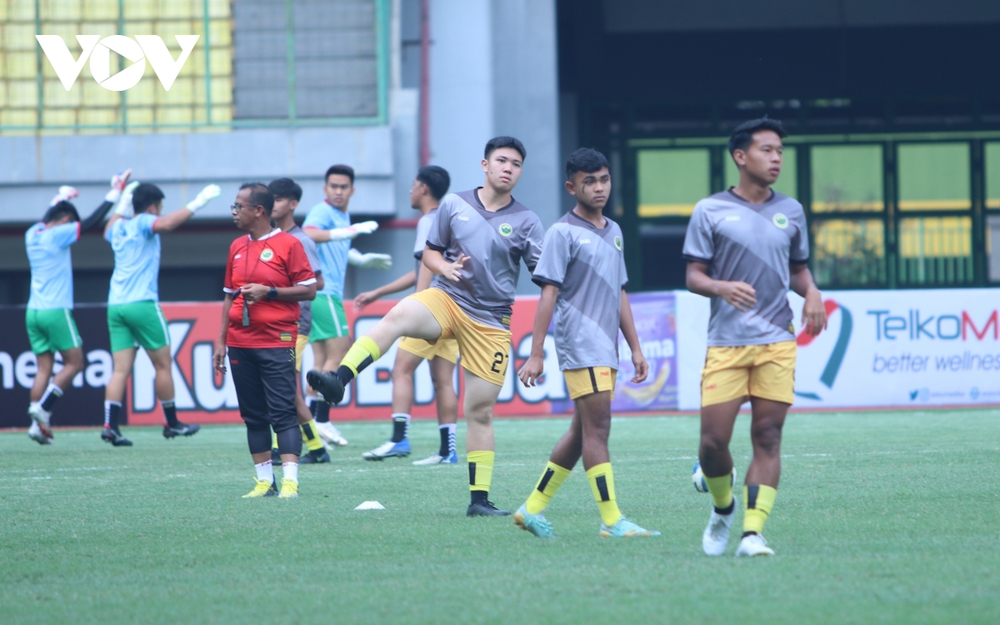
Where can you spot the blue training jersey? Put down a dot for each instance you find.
(332, 254)
(137, 260)
(51, 264)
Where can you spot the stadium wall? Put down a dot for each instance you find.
(882, 349)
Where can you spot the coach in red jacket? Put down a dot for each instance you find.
(267, 274)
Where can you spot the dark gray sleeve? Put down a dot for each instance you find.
(552, 263)
(699, 246)
(533, 245)
(623, 269)
(439, 237)
(799, 252)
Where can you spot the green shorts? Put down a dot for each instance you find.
(329, 320)
(52, 330)
(139, 323)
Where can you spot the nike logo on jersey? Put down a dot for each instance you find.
(584, 241)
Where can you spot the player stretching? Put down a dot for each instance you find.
(582, 275)
(425, 195)
(134, 315)
(744, 248)
(329, 226)
(286, 198)
(475, 248)
(49, 317)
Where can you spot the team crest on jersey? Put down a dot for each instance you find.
(506, 230)
(267, 254)
(618, 243)
(780, 220)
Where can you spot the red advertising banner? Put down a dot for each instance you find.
(202, 395)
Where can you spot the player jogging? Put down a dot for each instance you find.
(430, 186)
(286, 198)
(582, 275)
(475, 247)
(745, 247)
(134, 315)
(49, 318)
(328, 224)
(267, 274)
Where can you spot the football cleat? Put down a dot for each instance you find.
(115, 438)
(534, 523)
(181, 429)
(289, 489)
(389, 449)
(485, 508)
(753, 545)
(327, 383)
(438, 459)
(41, 417)
(36, 434)
(330, 435)
(625, 529)
(320, 456)
(262, 488)
(716, 536)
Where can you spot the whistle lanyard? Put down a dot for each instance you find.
(246, 265)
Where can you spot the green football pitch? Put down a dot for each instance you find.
(882, 517)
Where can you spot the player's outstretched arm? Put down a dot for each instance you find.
(368, 261)
(340, 234)
(814, 311)
(627, 325)
(397, 285)
(437, 263)
(118, 182)
(176, 218)
(740, 295)
(533, 369)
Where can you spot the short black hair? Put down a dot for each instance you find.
(285, 187)
(343, 170)
(60, 209)
(496, 143)
(742, 137)
(436, 178)
(586, 160)
(260, 195)
(145, 196)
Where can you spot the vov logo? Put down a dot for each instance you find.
(836, 358)
(138, 50)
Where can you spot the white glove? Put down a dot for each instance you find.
(124, 208)
(206, 195)
(348, 233)
(118, 182)
(369, 261)
(66, 193)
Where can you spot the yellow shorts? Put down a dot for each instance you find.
(442, 348)
(581, 382)
(765, 371)
(485, 350)
(300, 346)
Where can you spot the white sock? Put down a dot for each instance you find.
(290, 470)
(265, 472)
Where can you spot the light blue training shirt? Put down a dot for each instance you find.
(137, 260)
(332, 254)
(51, 264)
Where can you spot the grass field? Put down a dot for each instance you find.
(881, 518)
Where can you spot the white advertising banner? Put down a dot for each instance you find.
(882, 348)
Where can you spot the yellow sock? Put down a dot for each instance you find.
(602, 482)
(758, 501)
(274, 440)
(363, 353)
(552, 478)
(480, 470)
(312, 441)
(721, 489)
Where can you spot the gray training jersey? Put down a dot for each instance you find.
(305, 307)
(424, 225)
(752, 243)
(588, 266)
(495, 244)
